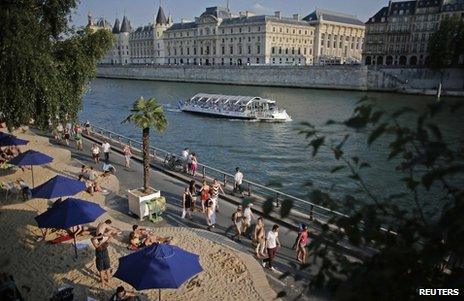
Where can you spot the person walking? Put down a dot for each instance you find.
(211, 214)
(237, 219)
(300, 244)
(95, 150)
(127, 155)
(193, 193)
(238, 179)
(102, 259)
(66, 136)
(272, 243)
(247, 218)
(259, 238)
(185, 155)
(106, 151)
(78, 137)
(193, 164)
(215, 189)
(59, 130)
(186, 203)
(204, 195)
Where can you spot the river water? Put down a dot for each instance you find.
(267, 153)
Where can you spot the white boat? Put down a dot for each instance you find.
(235, 107)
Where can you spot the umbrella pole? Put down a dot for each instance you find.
(32, 169)
(75, 245)
(159, 294)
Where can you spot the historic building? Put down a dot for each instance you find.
(338, 37)
(398, 34)
(219, 38)
(147, 42)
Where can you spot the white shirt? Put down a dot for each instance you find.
(185, 153)
(271, 239)
(238, 178)
(95, 150)
(106, 147)
(247, 214)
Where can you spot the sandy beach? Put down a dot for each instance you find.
(39, 268)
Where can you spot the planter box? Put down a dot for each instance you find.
(138, 201)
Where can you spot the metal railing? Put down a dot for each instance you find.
(314, 211)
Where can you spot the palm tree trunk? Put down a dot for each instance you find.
(146, 158)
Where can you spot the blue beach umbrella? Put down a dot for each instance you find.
(9, 140)
(57, 187)
(31, 158)
(158, 266)
(69, 213)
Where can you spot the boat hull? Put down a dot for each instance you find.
(218, 115)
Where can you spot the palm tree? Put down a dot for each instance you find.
(146, 114)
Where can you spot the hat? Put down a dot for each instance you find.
(239, 207)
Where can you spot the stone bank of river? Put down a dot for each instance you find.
(267, 153)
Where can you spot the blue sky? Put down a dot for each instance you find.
(141, 11)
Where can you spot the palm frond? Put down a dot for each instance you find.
(146, 113)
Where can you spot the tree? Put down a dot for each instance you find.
(416, 245)
(46, 65)
(446, 44)
(147, 114)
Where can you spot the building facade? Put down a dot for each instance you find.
(338, 37)
(220, 37)
(398, 34)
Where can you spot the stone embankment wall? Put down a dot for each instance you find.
(408, 80)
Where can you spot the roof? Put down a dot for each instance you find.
(261, 19)
(116, 26)
(333, 17)
(377, 18)
(217, 11)
(103, 23)
(125, 27)
(185, 25)
(408, 7)
(232, 99)
(161, 17)
(145, 28)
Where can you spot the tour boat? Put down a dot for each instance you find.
(235, 107)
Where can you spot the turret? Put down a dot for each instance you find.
(116, 27)
(125, 27)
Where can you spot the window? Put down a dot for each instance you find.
(249, 49)
(286, 50)
(258, 49)
(231, 49)
(240, 50)
(293, 50)
(280, 50)
(273, 50)
(249, 29)
(231, 30)
(223, 50)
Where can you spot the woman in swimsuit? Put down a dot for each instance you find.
(215, 193)
(204, 195)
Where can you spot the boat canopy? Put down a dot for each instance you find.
(236, 100)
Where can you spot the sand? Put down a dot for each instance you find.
(39, 268)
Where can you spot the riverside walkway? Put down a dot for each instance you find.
(172, 185)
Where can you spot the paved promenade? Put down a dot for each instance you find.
(172, 189)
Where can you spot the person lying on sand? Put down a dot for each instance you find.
(80, 230)
(106, 229)
(140, 237)
(123, 295)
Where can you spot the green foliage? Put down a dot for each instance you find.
(146, 113)
(45, 65)
(446, 44)
(415, 245)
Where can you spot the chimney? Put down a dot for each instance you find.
(296, 17)
(277, 14)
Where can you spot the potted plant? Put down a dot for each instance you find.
(145, 114)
